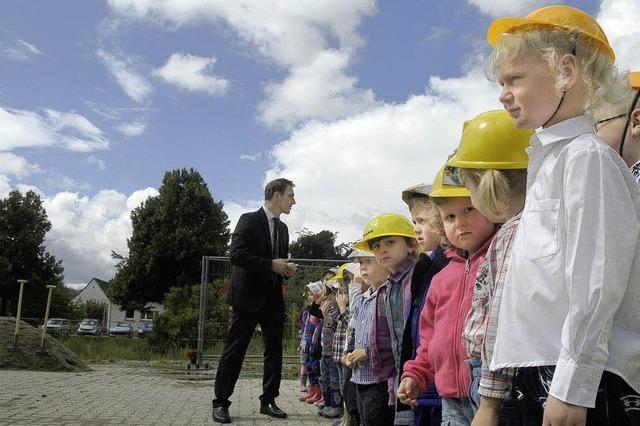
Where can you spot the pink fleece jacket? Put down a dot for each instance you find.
(441, 355)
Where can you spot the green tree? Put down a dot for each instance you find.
(177, 326)
(171, 233)
(314, 246)
(23, 227)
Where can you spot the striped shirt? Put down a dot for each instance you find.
(364, 311)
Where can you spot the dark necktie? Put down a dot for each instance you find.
(276, 239)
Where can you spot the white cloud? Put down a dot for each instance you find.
(123, 69)
(619, 19)
(132, 129)
(192, 73)
(20, 128)
(84, 230)
(500, 8)
(320, 90)
(314, 40)
(5, 186)
(57, 181)
(100, 164)
(24, 188)
(349, 170)
(11, 164)
(253, 158)
(19, 50)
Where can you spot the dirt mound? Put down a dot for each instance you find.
(27, 355)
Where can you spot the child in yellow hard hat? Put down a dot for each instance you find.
(569, 312)
(440, 358)
(371, 390)
(429, 232)
(619, 126)
(491, 161)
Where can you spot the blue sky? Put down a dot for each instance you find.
(352, 100)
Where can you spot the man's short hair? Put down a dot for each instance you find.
(277, 185)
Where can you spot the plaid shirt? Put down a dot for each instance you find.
(474, 326)
(635, 171)
(340, 336)
(497, 384)
(364, 311)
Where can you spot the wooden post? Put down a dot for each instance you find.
(15, 335)
(46, 316)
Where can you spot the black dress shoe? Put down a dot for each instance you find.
(272, 410)
(221, 415)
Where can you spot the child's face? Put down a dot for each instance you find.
(391, 252)
(466, 228)
(372, 272)
(427, 238)
(528, 91)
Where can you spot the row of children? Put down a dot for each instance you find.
(516, 291)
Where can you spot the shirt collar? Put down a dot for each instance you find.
(404, 268)
(270, 215)
(565, 130)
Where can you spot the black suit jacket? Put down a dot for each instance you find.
(252, 281)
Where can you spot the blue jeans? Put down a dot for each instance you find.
(330, 382)
(456, 412)
(475, 365)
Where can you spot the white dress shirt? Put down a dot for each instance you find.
(572, 291)
(270, 217)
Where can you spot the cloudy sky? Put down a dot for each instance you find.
(352, 100)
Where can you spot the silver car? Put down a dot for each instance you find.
(89, 326)
(58, 326)
(121, 328)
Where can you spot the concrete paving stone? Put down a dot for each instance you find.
(135, 395)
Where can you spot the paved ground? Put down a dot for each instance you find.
(135, 395)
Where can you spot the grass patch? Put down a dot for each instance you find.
(112, 349)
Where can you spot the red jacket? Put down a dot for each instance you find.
(441, 355)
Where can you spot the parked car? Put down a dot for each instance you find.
(89, 326)
(145, 329)
(121, 328)
(58, 326)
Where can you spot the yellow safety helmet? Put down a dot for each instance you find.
(492, 141)
(634, 79)
(340, 273)
(385, 225)
(447, 186)
(556, 16)
(415, 191)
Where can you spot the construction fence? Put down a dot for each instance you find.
(213, 320)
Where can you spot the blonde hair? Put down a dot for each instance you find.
(603, 82)
(496, 188)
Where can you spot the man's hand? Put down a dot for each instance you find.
(359, 355)
(342, 299)
(280, 266)
(558, 413)
(488, 413)
(408, 391)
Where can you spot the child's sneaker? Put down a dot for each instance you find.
(333, 412)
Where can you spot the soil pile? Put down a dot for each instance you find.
(27, 355)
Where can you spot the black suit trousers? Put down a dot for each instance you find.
(243, 324)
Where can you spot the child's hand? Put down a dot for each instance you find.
(559, 413)
(360, 355)
(343, 302)
(408, 391)
(351, 360)
(488, 413)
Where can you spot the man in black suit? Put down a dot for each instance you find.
(258, 252)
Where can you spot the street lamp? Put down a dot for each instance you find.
(46, 316)
(15, 335)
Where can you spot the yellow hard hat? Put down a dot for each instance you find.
(446, 186)
(492, 141)
(340, 273)
(419, 190)
(556, 16)
(385, 225)
(634, 79)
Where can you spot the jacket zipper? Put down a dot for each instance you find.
(467, 268)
